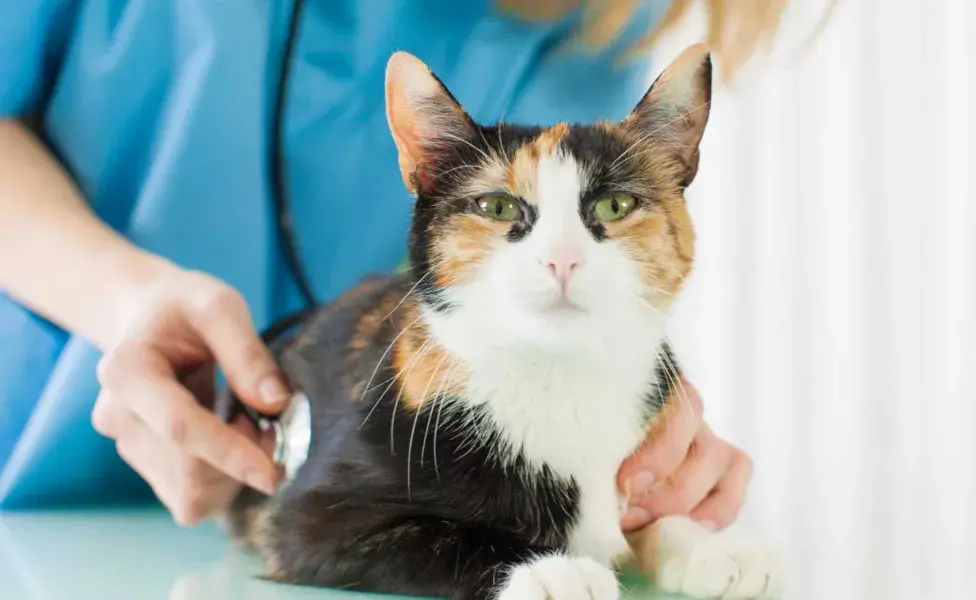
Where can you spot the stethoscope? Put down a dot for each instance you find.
(292, 427)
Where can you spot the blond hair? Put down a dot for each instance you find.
(735, 29)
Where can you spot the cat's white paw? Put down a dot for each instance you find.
(691, 560)
(683, 557)
(561, 578)
(760, 575)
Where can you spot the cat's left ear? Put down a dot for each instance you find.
(424, 117)
(674, 111)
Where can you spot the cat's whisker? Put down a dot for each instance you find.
(430, 418)
(457, 168)
(451, 136)
(659, 148)
(437, 424)
(407, 295)
(388, 381)
(670, 375)
(417, 355)
(617, 161)
(497, 153)
(382, 383)
(416, 418)
(674, 377)
(379, 362)
(446, 381)
(424, 350)
(498, 128)
(656, 290)
(648, 294)
(667, 409)
(681, 116)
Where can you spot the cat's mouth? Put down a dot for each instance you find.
(564, 307)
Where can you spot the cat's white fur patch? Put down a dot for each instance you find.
(685, 558)
(565, 391)
(561, 578)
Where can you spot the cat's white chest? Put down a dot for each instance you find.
(581, 423)
(597, 531)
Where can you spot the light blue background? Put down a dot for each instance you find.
(162, 110)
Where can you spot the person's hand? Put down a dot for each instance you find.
(158, 382)
(683, 468)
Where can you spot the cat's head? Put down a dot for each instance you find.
(546, 234)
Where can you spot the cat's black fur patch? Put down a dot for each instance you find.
(352, 519)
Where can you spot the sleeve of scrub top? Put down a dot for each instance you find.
(33, 35)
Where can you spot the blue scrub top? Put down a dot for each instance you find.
(162, 112)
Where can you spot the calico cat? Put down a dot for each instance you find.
(469, 416)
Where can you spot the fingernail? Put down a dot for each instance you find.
(640, 484)
(273, 390)
(636, 517)
(260, 482)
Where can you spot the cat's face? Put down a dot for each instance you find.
(547, 234)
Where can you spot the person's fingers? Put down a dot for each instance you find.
(110, 417)
(667, 443)
(144, 381)
(155, 460)
(221, 316)
(705, 465)
(189, 488)
(722, 506)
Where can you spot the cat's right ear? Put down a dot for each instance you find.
(675, 110)
(424, 117)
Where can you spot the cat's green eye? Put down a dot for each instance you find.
(613, 207)
(500, 207)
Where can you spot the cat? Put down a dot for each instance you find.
(469, 415)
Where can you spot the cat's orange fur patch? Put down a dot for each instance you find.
(462, 246)
(368, 333)
(424, 369)
(368, 325)
(661, 242)
(521, 173)
(660, 238)
(550, 138)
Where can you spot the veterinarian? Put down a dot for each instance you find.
(174, 174)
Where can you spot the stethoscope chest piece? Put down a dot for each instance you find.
(293, 434)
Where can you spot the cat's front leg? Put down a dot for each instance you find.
(393, 554)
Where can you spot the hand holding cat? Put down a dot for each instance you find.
(156, 412)
(683, 468)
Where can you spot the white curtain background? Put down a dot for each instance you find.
(830, 322)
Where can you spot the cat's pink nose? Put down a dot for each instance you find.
(563, 264)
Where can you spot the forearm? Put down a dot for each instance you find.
(56, 257)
